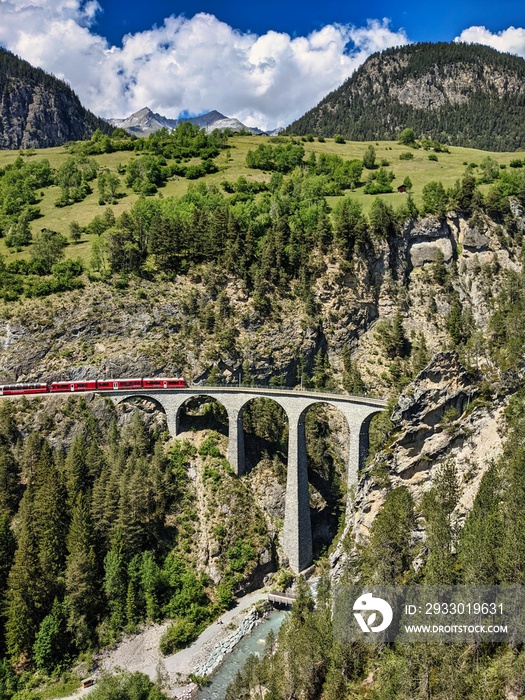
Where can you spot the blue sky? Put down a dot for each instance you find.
(423, 21)
(265, 64)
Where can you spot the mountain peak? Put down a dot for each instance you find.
(145, 122)
(144, 112)
(460, 94)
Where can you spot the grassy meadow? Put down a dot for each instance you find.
(231, 163)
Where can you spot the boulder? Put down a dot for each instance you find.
(475, 240)
(426, 251)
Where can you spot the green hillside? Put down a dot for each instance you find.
(448, 168)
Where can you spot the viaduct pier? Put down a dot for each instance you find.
(357, 410)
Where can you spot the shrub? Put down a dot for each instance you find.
(407, 137)
(209, 448)
(127, 686)
(179, 634)
(68, 268)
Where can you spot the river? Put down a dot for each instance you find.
(253, 643)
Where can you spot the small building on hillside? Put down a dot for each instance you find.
(402, 188)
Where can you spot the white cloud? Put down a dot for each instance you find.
(194, 64)
(511, 40)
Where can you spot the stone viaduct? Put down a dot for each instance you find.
(358, 410)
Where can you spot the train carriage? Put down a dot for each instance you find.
(119, 384)
(95, 385)
(73, 386)
(13, 389)
(164, 383)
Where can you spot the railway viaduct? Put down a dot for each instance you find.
(358, 410)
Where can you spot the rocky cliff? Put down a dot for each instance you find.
(441, 416)
(208, 321)
(37, 110)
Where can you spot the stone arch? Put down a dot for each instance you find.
(135, 399)
(274, 429)
(327, 471)
(216, 418)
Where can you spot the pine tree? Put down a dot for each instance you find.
(131, 607)
(303, 603)
(115, 582)
(137, 435)
(10, 488)
(95, 460)
(7, 549)
(77, 471)
(31, 454)
(439, 271)
(511, 551)
(50, 514)
(82, 574)
(387, 556)
(352, 380)
(27, 593)
(134, 512)
(420, 355)
(438, 505)
(456, 324)
(483, 533)
(149, 579)
(399, 339)
(51, 643)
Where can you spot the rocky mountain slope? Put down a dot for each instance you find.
(37, 110)
(456, 93)
(145, 122)
(441, 417)
(168, 327)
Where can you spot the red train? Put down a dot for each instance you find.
(95, 385)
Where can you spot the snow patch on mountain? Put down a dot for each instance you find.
(145, 122)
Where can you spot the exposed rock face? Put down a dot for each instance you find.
(38, 110)
(425, 238)
(421, 253)
(455, 93)
(433, 423)
(441, 385)
(474, 240)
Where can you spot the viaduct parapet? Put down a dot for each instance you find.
(358, 410)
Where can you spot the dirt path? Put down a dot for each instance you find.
(140, 652)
